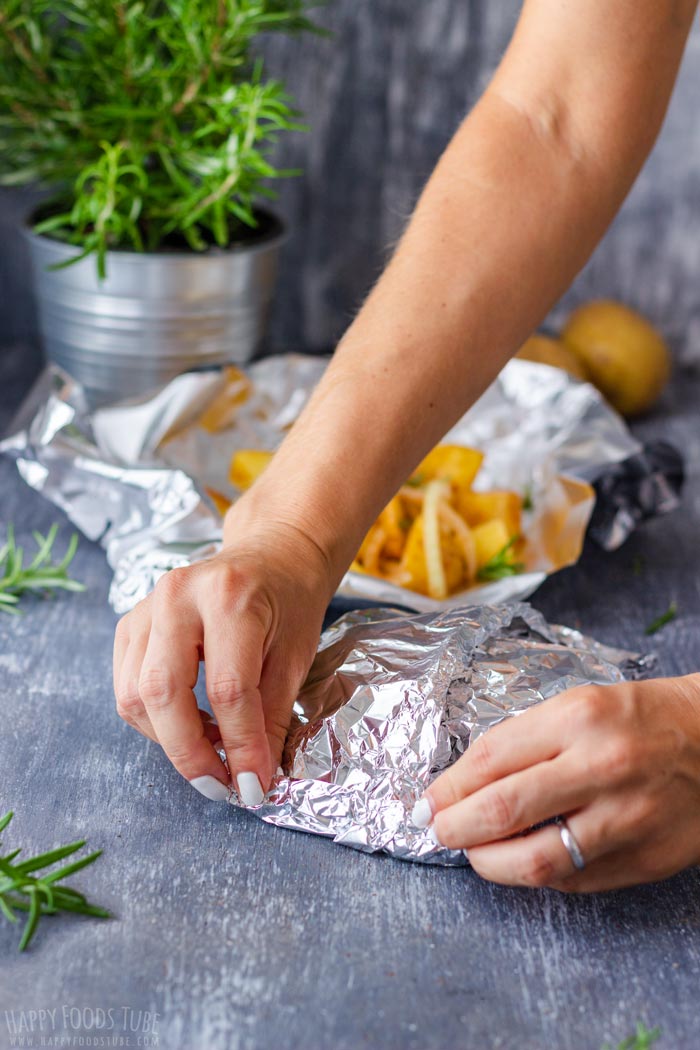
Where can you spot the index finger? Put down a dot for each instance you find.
(509, 747)
(234, 645)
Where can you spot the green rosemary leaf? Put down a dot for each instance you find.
(642, 1039)
(40, 574)
(663, 619)
(43, 860)
(501, 565)
(70, 869)
(42, 895)
(32, 921)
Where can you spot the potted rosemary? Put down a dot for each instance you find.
(151, 123)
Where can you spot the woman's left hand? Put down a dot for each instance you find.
(620, 762)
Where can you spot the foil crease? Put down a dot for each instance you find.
(134, 476)
(392, 700)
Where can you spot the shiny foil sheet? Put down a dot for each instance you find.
(135, 476)
(392, 700)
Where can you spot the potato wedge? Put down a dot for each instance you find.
(489, 540)
(452, 463)
(479, 507)
(247, 465)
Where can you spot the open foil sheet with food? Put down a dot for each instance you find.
(393, 699)
(511, 484)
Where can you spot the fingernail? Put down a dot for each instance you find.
(433, 835)
(280, 772)
(249, 789)
(422, 814)
(211, 788)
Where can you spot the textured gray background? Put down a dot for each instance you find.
(383, 97)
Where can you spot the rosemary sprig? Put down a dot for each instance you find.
(40, 574)
(41, 894)
(642, 1039)
(501, 564)
(662, 620)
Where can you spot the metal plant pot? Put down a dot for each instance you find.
(155, 314)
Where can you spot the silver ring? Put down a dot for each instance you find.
(571, 845)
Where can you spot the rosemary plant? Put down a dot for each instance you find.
(151, 119)
(22, 890)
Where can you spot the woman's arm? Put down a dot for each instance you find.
(520, 198)
(515, 206)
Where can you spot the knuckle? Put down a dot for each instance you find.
(156, 687)
(646, 816)
(499, 812)
(618, 759)
(121, 631)
(129, 703)
(482, 757)
(227, 690)
(538, 868)
(173, 584)
(183, 756)
(588, 708)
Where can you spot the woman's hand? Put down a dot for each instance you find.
(621, 762)
(253, 613)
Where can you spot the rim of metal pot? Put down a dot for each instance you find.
(277, 235)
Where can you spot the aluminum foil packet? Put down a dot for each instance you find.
(136, 476)
(392, 700)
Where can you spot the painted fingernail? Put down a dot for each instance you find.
(211, 788)
(433, 835)
(249, 789)
(422, 814)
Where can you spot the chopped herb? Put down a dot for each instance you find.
(642, 1039)
(405, 524)
(501, 564)
(527, 498)
(662, 620)
(42, 894)
(40, 575)
(415, 481)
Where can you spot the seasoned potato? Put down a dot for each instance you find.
(452, 463)
(490, 539)
(479, 507)
(247, 465)
(435, 534)
(413, 572)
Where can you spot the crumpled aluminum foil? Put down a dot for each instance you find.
(133, 475)
(392, 700)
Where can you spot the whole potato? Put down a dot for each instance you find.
(545, 350)
(624, 355)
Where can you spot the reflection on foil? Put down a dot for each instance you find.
(392, 700)
(134, 475)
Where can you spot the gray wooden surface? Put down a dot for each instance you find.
(241, 936)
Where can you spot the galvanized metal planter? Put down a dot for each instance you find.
(156, 314)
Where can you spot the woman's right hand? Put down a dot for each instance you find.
(253, 613)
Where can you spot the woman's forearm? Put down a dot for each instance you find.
(517, 203)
